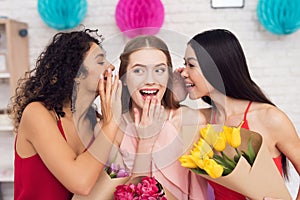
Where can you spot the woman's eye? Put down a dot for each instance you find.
(101, 63)
(189, 65)
(138, 71)
(161, 70)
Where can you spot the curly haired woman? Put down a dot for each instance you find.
(63, 86)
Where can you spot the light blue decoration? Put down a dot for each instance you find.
(62, 14)
(280, 17)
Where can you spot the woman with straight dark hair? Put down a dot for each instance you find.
(216, 71)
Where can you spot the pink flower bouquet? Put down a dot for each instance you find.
(148, 189)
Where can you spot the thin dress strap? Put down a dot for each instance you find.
(245, 123)
(246, 111)
(56, 115)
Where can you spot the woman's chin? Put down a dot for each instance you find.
(193, 97)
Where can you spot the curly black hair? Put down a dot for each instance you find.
(52, 79)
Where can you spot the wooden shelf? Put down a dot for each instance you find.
(5, 123)
(6, 174)
(5, 128)
(14, 51)
(15, 47)
(7, 140)
(4, 75)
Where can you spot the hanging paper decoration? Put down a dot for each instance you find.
(62, 14)
(138, 17)
(280, 17)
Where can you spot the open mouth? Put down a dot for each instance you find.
(149, 92)
(189, 85)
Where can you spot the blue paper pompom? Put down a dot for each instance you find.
(62, 14)
(280, 17)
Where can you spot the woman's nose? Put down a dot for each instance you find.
(149, 79)
(184, 73)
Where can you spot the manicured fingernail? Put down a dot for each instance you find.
(101, 76)
(109, 70)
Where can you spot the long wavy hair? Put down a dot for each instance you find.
(138, 43)
(52, 80)
(227, 55)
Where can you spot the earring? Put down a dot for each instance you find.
(76, 81)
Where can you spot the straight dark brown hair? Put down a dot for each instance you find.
(228, 56)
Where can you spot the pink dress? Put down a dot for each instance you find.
(166, 168)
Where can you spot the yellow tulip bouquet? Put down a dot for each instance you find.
(236, 158)
(208, 156)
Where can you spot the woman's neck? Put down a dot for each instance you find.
(227, 107)
(81, 105)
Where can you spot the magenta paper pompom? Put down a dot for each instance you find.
(139, 17)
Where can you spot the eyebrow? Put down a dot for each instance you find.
(191, 58)
(141, 65)
(101, 55)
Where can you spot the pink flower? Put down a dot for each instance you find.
(148, 189)
(124, 192)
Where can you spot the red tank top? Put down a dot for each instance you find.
(223, 193)
(33, 180)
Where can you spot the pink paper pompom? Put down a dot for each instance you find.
(139, 17)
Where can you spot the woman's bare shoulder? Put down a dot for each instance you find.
(36, 115)
(269, 116)
(267, 113)
(35, 108)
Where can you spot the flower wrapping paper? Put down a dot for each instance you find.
(261, 180)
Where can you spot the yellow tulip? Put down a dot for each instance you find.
(221, 142)
(233, 135)
(212, 168)
(209, 134)
(203, 131)
(202, 149)
(199, 162)
(214, 138)
(187, 161)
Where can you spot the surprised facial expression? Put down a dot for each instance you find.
(147, 75)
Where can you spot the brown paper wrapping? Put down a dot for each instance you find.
(261, 180)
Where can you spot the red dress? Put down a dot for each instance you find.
(223, 193)
(33, 180)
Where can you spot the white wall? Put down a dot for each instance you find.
(274, 61)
